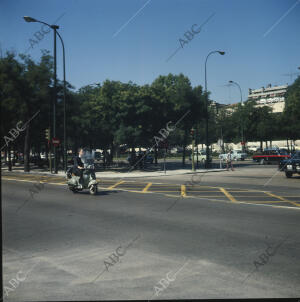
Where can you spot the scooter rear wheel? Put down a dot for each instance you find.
(73, 189)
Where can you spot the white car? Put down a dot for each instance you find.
(201, 156)
(235, 155)
(253, 148)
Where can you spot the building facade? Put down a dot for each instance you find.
(273, 97)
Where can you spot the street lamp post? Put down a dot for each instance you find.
(206, 105)
(55, 27)
(55, 98)
(242, 127)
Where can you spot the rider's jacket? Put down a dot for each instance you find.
(77, 162)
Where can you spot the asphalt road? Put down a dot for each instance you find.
(247, 175)
(165, 245)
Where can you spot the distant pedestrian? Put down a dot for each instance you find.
(229, 161)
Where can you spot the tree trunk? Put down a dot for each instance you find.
(5, 156)
(14, 157)
(111, 155)
(155, 155)
(293, 146)
(9, 158)
(184, 148)
(104, 158)
(27, 149)
(47, 153)
(261, 145)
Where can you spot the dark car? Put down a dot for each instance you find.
(292, 165)
(142, 158)
(271, 156)
(98, 156)
(37, 160)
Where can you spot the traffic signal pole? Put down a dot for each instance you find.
(48, 138)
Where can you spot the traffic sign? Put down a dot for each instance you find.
(164, 144)
(55, 141)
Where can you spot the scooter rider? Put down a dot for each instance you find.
(78, 165)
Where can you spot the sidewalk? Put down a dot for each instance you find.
(112, 174)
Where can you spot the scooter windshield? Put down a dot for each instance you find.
(88, 158)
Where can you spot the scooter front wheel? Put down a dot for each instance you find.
(93, 190)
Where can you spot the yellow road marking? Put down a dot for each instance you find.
(283, 199)
(116, 184)
(43, 179)
(174, 191)
(147, 187)
(124, 190)
(203, 191)
(227, 194)
(264, 201)
(183, 190)
(26, 180)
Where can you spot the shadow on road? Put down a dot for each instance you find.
(99, 193)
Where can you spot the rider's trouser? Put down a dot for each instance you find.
(78, 172)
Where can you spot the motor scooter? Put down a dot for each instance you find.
(88, 179)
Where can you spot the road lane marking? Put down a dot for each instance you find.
(25, 180)
(239, 202)
(159, 191)
(116, 184)
(183, 190)
(147, 187)
(263, 201)
(296, 204)
(203, 191)
(227, 194)
(283, 199)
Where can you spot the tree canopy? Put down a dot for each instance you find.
(113, 114)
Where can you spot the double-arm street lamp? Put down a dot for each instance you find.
(242, 127)
(206, 105)
(55, 27)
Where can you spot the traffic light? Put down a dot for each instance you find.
(47, 132)
(192, 132)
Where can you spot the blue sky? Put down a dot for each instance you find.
(257, 52)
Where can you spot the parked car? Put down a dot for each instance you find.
(147, 159)
(201, 156)
(291, 166)
(271, 156)
(236, 155)
(37, 160)
(253, 148)
(98, 158)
